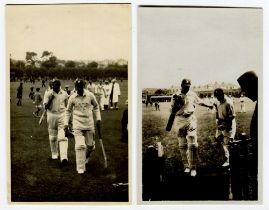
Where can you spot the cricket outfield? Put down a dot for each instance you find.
(37, 178)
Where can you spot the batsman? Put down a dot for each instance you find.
(55, 101)
(183, 108)
(83, 105)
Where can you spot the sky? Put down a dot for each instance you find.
(202, 44)
(71, 32)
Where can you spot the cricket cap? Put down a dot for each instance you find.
(186, 82)
(79, 82)
(56, 82)
(218, 92)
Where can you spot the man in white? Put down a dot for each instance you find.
(80, 104)
(55, 101)
(100, 94)
(115, 93)
(186, 123)
(242, 104)
(107, 88)
(91, 87)
(226, 125)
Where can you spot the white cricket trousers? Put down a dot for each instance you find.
(83, 142)
(57, 138)
(187, 140)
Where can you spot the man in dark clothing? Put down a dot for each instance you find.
(19, 94)
(249, 85)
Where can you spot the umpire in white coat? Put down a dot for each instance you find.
(114, 95)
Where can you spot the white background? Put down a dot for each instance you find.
(4, 109)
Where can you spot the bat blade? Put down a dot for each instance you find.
(170, 122)
(42, 117)
(102, 145)
(104, 152)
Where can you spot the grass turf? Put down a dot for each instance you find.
(35, 177)
(210, 153)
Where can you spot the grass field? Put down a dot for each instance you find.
(35, 177)
(210, 153)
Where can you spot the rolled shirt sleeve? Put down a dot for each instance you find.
(96, 109)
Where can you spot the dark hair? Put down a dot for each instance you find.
(218, 92)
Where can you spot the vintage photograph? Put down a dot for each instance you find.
(68, 66)
(198, 70)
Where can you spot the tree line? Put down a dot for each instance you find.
(48, 66)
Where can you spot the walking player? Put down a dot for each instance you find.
(186, 123)
(226, 125)
(83, 104)
(38, 102)
(100, 94)
(55, 101)
(19, 94)
(114, 94)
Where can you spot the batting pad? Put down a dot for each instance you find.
(192, 153)
(80, 159)
(63, 147)
(80, 148)
(53, 145)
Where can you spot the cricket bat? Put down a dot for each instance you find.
(42, 117)
(102, 145)
(170, 122)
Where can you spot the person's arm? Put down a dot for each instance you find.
(230, 116)
(200, 102)
(68, 111)
(48, 100)
(96, 110)
(40, 98)
(66, 99)
(104, 91)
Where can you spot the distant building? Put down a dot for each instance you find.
(207, 90)
(121, 62)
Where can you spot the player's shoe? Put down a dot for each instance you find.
(54, 157)
(81, 171)
(35, 114)
(226, 164)
(187, 170)
(64, 162)
(117, 108)
(193, 173)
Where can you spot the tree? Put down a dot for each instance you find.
(92, 64)
(46, 54)
(31, 58)
(20, 64)
(70, 64)
(50, 63)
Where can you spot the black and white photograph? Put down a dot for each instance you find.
(200, 125)
(68, 67)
